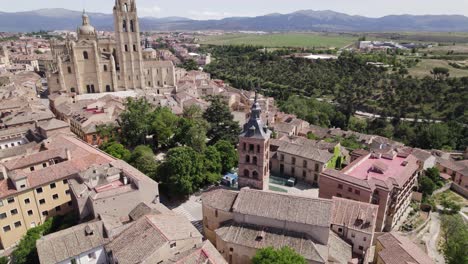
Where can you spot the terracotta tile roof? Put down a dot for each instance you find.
(284, 207)
(400, 250)
(311, 153)
(354, 215)
(70, 242)
(34, 159)
(83, 157)
(220, 199)
(260, 237)
(132, 245)
(205, 254)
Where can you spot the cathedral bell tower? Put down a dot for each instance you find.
(129, 56)
(254, 147)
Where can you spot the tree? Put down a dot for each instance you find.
(212, 164)
(183, 171)
(229, 155)
(191, 133)
(164, 124)
(116, 150)
(106, 132)
(434, 175)
(455, 234)
(222, 124)
(190, 65)
(450, 207)
(135, 122)
(3, 260)
(426, 186)
(143, 159)
(284, 255)
(440, 73)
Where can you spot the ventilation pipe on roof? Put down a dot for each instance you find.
(69, 156)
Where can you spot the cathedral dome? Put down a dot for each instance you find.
(86, 29)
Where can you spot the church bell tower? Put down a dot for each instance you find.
(254, 147)
(129, 55)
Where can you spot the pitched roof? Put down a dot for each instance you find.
(284, 207)
(131, 246)
(354, 215)
(70, 242)
(311, 153)
(205, 254)
(220, 199)
(400, 250)
(259, 237)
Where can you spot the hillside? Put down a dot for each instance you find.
(304, 20)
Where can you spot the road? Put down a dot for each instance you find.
(431, 239)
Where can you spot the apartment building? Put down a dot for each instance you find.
(384, 180)
(35, 186)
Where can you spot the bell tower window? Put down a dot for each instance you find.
(125, 7)
(124, 26)
(132, 28)
(85, 55)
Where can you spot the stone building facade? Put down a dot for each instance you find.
(93, 65)
(254, 147)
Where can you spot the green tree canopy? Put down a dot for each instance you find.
(222, 124)
(164, 124)
(284, 255)
(135, 122)
(183, 171)
(143, 159)
(229, 155)
(455, 234)
(213, 165)
(116, 150)
(426, 186)
(190, 65)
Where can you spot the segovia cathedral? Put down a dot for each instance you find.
(93, 65)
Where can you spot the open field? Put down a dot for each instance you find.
(307, 40)
(439, 37)
(426, 65)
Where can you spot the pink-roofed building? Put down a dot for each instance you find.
(385, 180)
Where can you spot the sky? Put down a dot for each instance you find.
(216, 9)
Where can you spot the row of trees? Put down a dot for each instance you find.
(200, 145)
(348, 81)
(450, 135)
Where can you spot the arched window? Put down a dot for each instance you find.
(254, 160)
(108, 88)
(72, 90)
(255, 175)
(105, 68)
(134, 48)
(132, 27)
(69, 69)
(247, 159)
(85, 55)
(126, 48)
(125, 7)
(246, 173)
(124, 26)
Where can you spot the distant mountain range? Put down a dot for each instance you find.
(305, 20)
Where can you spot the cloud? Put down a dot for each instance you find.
(149, 11)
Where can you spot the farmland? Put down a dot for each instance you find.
(301, 40)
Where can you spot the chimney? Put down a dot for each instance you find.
(69, 156)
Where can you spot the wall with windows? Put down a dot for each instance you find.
(30, 208)
(93, 256)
